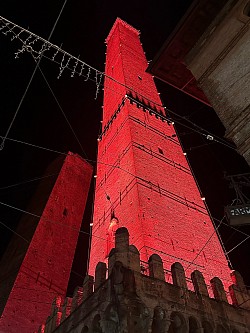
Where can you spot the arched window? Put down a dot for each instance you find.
(96, 327)
(159, 320)
(207, 327)
(178, 323)
(193, 325)
(85, 329)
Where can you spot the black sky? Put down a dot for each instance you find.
(82, 29)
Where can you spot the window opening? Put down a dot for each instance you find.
(160, 151)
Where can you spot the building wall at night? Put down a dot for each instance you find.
(32, 273)
(143, 178)
(220, 63)
(123, 299)
(163, 282)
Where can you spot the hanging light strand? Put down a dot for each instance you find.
(39, 47)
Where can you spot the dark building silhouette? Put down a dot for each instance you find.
(207, 57)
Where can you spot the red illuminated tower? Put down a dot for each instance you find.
(143, 179)
(32, 275)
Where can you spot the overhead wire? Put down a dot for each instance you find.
(213, 218)
(123, 170)
(16, 233)
(115, 166)
(65, 225)
(208, 210)
(100, 237)
(35, 301)
(235, 230)
(35, 146)
(213, 136)
(200, 128)
(64, 154)
(28, 242)
(187, 126)
(46, 219)
(231, 227)
(219, 235)
(38, 216)
(202, 248)
(30, 81)
(235, 247)
(28, 181)
(219, 140)
(60, 107)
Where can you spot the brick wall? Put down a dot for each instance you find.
(143, 175)
(45, 269)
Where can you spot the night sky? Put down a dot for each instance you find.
(82, 30)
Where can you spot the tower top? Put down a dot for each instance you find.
(118, 22)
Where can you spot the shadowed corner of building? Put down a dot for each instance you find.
(120, 298)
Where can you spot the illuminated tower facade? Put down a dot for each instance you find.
(37, 264)
(144, 182)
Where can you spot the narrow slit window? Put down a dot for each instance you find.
(65, 212)
(160, 151)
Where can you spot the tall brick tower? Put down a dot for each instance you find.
(143, 179)
(33, 274)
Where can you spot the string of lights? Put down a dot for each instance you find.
(208, 138)
(65, 64)
(38, 46)
(31, 39)
(4, 24)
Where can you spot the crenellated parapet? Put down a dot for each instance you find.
(55, 316)
(122, 298)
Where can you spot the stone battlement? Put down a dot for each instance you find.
(122, 299)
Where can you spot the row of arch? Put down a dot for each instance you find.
(179, 324)
(176, 323)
